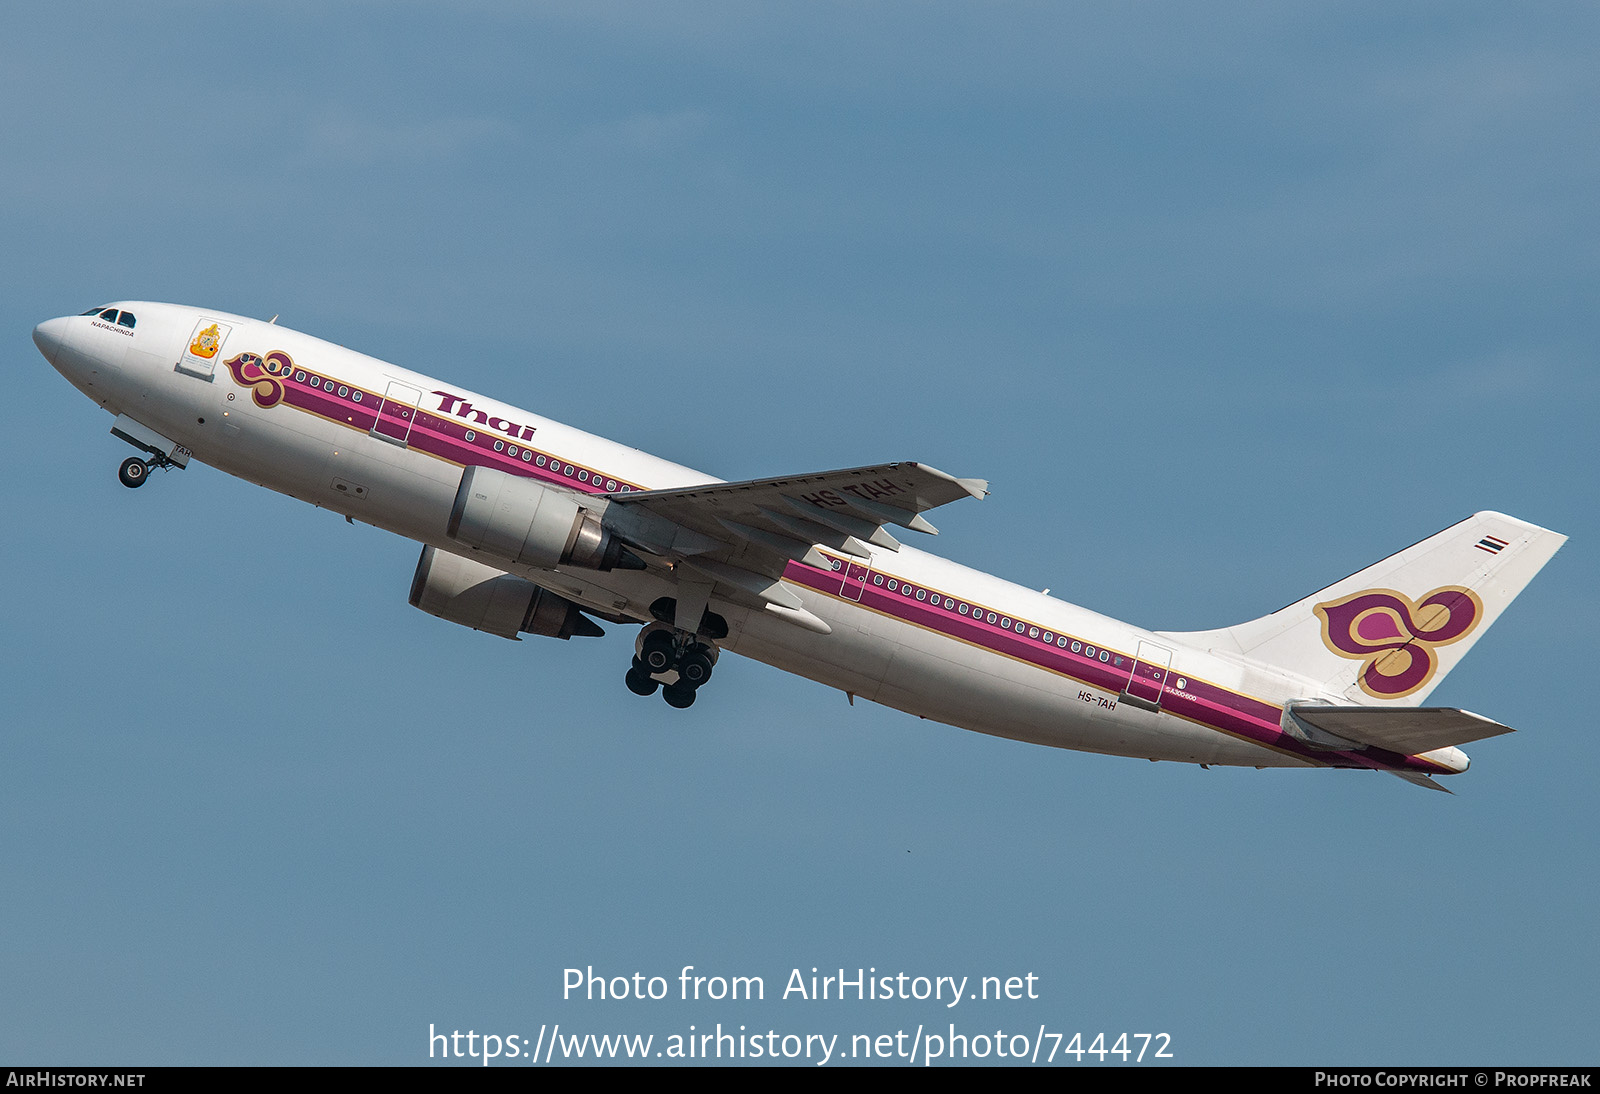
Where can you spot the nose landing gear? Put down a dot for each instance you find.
(674, 661)
(133, 472)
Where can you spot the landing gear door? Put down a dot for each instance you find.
(397, 413)
(203, 348)
(1149, 676)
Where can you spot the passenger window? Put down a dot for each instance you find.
(126, 320)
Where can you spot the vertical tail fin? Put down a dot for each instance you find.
(1390, 633)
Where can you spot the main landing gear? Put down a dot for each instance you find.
(669, 659)
(134, 470)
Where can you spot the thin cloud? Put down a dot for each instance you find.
(650, 132)
(340, 135)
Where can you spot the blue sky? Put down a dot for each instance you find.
(1311, 282)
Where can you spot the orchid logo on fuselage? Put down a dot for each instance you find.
(251, 371)
(1396, 636)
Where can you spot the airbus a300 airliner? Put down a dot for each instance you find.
(529, 526)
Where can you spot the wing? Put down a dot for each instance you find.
(740, 536)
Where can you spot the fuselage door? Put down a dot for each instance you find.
(397, 413)
(1149, 676)
(855, 580)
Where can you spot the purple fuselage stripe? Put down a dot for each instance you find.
(1200, 702)
(443, 437)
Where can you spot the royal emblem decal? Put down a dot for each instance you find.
(206, 343)
(1397, 636)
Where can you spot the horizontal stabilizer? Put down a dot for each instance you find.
(1410, 731)
(1417, 778)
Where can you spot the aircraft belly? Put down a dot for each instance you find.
(769, 643)
(338, 468)
(405, 492)
(264, 450)
(941, 679)
(853, 658)
(974, 689)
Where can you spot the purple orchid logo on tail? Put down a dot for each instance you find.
(1396, 636)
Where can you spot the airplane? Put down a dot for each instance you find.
(529, 526)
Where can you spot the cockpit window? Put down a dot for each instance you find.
(112, 315)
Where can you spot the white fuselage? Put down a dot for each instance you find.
(1028, 679)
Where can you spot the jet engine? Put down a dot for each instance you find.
(486, 599)
(516, 518)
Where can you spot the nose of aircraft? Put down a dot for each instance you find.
(49, 336)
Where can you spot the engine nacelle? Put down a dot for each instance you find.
(486, 599)
(524, 521)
